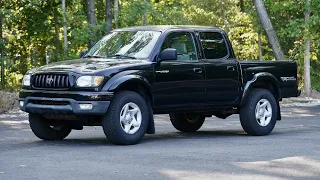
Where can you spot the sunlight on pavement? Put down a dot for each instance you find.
(298, 112)
(286, 167)
(194, 175)
(15, 122)
(299, 104)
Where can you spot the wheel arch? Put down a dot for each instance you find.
(139, 85)
(266, 81)
(134, 83)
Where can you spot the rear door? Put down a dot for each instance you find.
(179, 83)
(223, 83)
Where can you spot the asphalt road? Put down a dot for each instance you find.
(220, 150)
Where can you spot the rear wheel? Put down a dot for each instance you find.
(127, 119)
(186, 122)
(258, 116)
(45, 130)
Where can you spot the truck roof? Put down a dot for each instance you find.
(168, 27)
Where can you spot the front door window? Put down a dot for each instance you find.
(184, 43)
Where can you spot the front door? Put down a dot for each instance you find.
(179, 83)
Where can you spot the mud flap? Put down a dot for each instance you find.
(151, 128)
(279, 112)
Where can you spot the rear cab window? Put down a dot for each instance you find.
(214, 45)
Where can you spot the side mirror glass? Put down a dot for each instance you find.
(168, 54)
(83, 52)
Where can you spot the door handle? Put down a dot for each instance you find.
(197, 70)
(230, 68)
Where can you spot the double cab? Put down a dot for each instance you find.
(188, 72)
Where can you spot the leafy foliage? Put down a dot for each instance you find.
(33, 28)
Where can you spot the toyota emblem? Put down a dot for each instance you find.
(49, 80)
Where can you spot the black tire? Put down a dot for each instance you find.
(111, 125)
(43, 130)
(249, 122)
(186, 122)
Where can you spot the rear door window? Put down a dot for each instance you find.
(214, 45)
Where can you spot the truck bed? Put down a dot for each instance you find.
(283, 72)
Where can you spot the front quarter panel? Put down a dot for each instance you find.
(144, 77)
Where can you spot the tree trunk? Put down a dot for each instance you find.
(65, 38)
(259, 41)
(56, 31)
(144, 17)
(267, 25)
(307, 79)
(259, 45)
(92, 20)
(108, 15)
(1, 47)
(116, 13)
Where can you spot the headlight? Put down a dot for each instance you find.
(26, 80)
(89, 81)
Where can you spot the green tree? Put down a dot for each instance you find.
(32, 28)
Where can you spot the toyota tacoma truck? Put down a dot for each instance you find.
(188, 72)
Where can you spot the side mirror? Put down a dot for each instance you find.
(83, 52)
(168, 54)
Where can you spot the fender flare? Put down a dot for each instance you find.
(123, 77)
(128, 78)
(262, 76)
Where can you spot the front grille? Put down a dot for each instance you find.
(47, 102)
(53, 81)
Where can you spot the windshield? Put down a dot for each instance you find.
(125, 44)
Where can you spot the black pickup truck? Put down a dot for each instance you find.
(188, 72)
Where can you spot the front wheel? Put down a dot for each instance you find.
(186, 122)
(45, 130)
(127, 118)
(258, 116)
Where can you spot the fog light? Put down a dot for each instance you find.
(21, 103)
(85, 106)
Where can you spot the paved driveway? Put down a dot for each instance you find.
(220, 150)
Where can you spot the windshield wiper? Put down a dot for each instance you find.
(93, 56)
(124, 56)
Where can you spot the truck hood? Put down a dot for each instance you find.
(87, 65)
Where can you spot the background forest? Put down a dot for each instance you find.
(34, 32)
